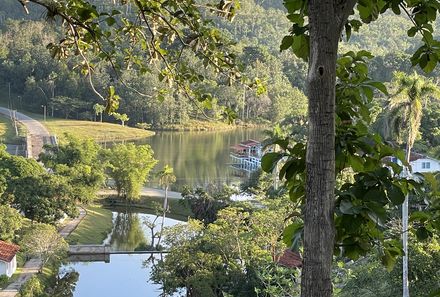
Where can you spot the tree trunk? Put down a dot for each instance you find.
(100, 117)
(165, 206)
(326, 19)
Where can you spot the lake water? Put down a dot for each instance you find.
(125, 274)
(199, 158)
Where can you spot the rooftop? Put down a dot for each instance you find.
(290, 259)
(8, 251)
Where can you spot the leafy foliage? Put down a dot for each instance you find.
(233, 255)
(204, 205)
(129, 165)
(44, 241)
(366, 203)
(79, 161)
(10, 222)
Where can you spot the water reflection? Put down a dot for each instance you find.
(133, 231)
(127, 234)
(199, 158)
(125, 275)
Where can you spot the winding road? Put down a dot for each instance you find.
(38, 134)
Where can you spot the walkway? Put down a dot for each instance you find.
(37, 133)
(32, 266)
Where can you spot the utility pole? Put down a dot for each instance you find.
(405, 283)
(14, 121)
(44, 112)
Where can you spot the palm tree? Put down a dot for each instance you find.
(412, 93)
(166, 178)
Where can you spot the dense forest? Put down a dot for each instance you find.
(30, 78)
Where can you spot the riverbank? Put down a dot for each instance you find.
(200, 126)
(98, 223)
(100, 132)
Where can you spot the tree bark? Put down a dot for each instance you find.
(326, 20)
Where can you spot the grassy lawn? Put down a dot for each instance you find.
(178, 210)
(7, 131)
(100, 132)
(94, 228)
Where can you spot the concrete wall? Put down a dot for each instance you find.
(3, 267)
(8, 268)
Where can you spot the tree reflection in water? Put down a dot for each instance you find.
(127, 234)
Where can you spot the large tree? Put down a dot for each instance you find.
(129, 166)
(315, 35)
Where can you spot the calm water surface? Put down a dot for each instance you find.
(199, 158)
(126, 275)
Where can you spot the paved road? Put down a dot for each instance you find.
(33, 265)
(37, 132)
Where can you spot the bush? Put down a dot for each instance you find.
(32, 288)
(144, 126)
(3, 281)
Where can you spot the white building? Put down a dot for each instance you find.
(420, 163)
(8, 261)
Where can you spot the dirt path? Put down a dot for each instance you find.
(32, 266)
(39, 135)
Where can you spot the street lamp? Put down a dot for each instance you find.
(44, 112)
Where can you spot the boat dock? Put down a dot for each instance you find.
(246, 156)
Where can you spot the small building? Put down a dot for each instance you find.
(246, 156)
(8, 261)
(420, 163)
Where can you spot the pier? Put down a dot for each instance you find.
(246, 156)
(99, 253)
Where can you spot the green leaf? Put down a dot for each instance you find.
(419, 216)
(286, 42)
(412, 32)
(422, 234)
(388, 261)
(292, 235)
(356, 163)
(396, 195)
(346, 207)
(270, 160)
(301, 46)
(380, 86)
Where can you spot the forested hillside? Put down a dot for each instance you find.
(35, 79)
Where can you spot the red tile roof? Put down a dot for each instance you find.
(250, 142)
(290, 259)
(8, 251)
